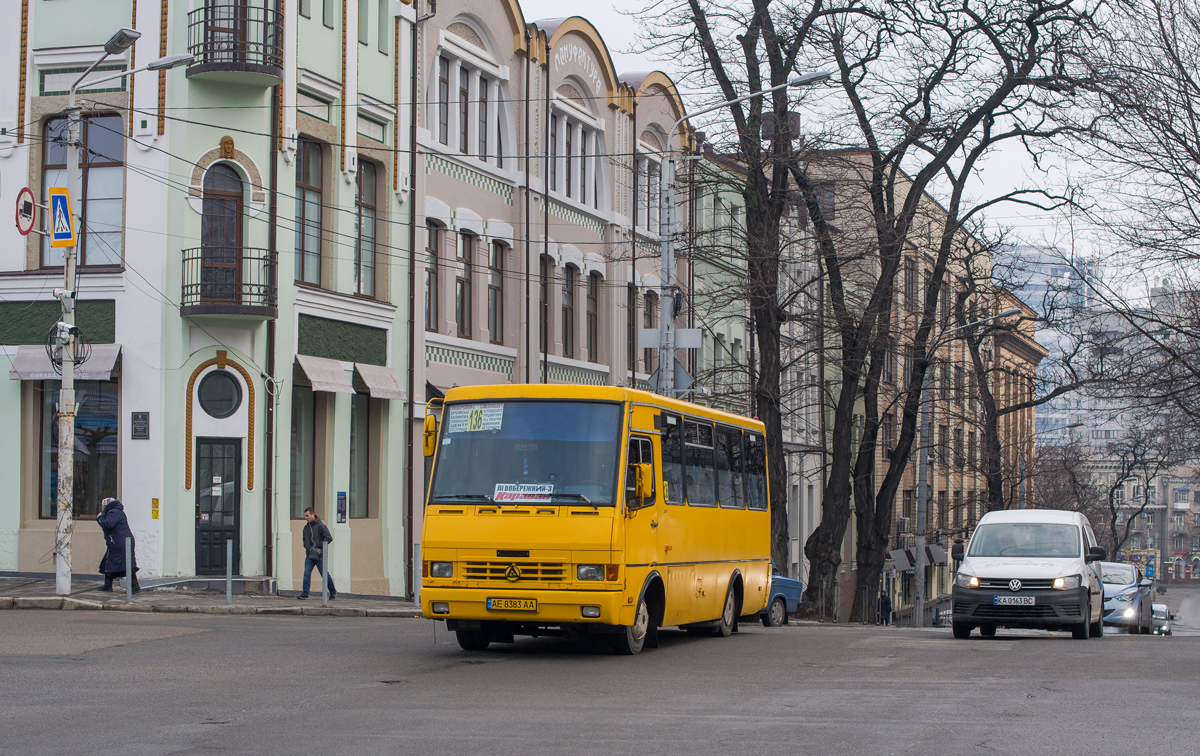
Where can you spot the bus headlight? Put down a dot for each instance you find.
(590, 572)
(441, 569)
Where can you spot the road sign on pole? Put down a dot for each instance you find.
(62, 226)
(26, 211)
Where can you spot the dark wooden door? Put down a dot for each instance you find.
(218, 503)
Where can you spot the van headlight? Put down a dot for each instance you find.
(1065, 583)
(590, 572)
(966, 581)
(441, 569)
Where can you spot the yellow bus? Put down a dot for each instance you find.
(572, 510)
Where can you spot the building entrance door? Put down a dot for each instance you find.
(218, 503)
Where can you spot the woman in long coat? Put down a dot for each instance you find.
(116, 530)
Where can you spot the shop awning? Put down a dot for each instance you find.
(378, 381)
(906, 559)
(325, 374)
(31, 363)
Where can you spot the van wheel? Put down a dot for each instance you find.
(1080, 631)
(474, 640)
(962, 630)
(987, 631)
(632, 638)
(776, 616)
(728, 615)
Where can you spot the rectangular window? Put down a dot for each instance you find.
(303, 445)
(568, 310)
(97, 436)
(943, 450)
(583, 166)
(649, 320)
(701, 468)
(971, 450)
(464, 108)
(959, 459)
(672, 456)
(554, 153)
(433, 235)
(906, 507)
(483, 118)
(101, 184)
(910, 284)
(462, 285)
(730, 468)
(327, 14)
(496, 294)
(364, 248)
(364, 23)
(360, 454)
(593, 317)
(631, 327)
(570, 154)
(444, 100)
(309, 175)
(652, 186)
(756, 472)
(544, 304)
(306, 8)
(385, 18)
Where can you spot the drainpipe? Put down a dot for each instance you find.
(528, 220)
(410, 482)
(546, 225)
(269, 378)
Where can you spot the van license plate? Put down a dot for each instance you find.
(512, 604)
(1013, 601)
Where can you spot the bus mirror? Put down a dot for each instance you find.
(429, 442)
(645, 481)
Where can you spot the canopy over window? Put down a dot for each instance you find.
(378, 381)
(31, 363)
(325, 374)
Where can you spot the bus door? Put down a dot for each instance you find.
(642, 515)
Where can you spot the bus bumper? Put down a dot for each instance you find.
(554, 608)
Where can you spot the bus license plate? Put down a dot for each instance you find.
(512, 604)
(1013, 601)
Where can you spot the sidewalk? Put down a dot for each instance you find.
(159, 595)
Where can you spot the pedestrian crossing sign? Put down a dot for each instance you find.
(62, 226)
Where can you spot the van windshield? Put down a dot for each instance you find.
(528, 452)
(1026, 539)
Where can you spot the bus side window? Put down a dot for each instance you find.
(698, 446)
(756, 472)
(641, 451)
(672, 458)
(730, 468)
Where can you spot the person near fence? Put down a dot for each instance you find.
(316, 535)
(116, 529)
(885, 608)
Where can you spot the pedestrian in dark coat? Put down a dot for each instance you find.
(314, 537)
(885, 608)
(116, 529)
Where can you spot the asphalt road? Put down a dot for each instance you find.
(108, 683)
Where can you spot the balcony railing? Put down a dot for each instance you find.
(237, 41)
(229, 281)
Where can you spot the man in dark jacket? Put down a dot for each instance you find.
(885, 608)
(316, 535)
(116, 529)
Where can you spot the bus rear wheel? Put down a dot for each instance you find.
(632, 638)
(728, 615)
(474, 640)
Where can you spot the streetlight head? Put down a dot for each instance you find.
(1008, 312)
(171, 61)
(810, 78)
(121, 41)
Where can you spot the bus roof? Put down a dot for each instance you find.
(595, 393)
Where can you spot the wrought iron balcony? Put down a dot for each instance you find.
(229, 281)
(236, 41)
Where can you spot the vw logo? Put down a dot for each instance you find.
(512, 574)
(1014, 585)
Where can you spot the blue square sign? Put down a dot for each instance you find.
(62, 225)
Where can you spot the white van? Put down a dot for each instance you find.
(1029, 568)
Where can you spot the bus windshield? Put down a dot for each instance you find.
(528, 452)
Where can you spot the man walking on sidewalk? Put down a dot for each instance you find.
(316, 535)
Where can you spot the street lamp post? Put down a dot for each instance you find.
(923, 470)
(65, 336)
(666, 334)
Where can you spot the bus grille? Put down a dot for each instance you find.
(530, 571)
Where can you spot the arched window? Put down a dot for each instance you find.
(433, 244)
(496, 294)
(309, 175)
(593, 317)
(570, 275)
(221, 235)
(364, 248)
(462, 284)
(468, 95)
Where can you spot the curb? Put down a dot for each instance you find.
(68, 603)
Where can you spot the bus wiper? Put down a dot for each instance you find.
(576, 496)
(463, 497)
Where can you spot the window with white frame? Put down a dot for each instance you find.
(468, 111)
(649, 186)
(575, 154)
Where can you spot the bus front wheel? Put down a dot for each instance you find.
(632, 638)
(474, 640)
